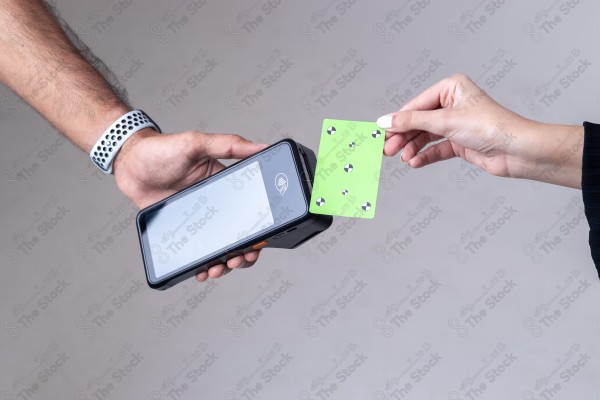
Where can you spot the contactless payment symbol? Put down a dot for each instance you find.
(348, 169)
(281, 183)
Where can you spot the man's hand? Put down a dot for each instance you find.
(151, 167)
(46, 67)
(459, 119)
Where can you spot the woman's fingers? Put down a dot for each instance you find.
(426, 112)
(438, 152)
(397, 141)
(440, 122)
(433, 97)
(416, 144)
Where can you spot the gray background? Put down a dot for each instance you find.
(78, 320)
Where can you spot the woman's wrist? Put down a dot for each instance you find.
(549, 153)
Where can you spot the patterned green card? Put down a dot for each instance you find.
(348, 168)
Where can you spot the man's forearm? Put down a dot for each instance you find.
(40, 64)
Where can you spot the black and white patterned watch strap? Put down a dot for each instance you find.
(104, 151)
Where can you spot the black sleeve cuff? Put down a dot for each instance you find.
(590, 186)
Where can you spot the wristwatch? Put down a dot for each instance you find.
(106, 148)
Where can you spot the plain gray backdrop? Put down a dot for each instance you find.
(464, 286)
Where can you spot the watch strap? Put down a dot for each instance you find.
(106, 148)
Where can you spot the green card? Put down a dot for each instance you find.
(348, 168)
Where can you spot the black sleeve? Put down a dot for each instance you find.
(590, 186)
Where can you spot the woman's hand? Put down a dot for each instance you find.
(460, 120)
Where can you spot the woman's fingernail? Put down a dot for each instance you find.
(385, 122)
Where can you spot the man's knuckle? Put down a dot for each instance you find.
(240, 139)
(190, 137)
(192, 143)
(460, 77)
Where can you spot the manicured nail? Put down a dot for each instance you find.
(385, 122)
